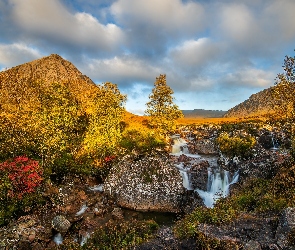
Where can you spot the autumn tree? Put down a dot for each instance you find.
(284, 91)
(161, 108)
(284, 95)
(105, 115)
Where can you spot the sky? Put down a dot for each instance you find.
(215, 53)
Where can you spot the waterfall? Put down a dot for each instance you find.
(217, 186)
(179, 146)
(185, 176)
(274, 143)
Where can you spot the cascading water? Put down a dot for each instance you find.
(217, 186)
(274, 143)
(185, 176)
(179, 145)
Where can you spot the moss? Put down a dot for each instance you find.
(125, 235)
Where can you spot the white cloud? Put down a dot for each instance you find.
(52, 21)
(238, 23)
(279, 17)
(17, 53)
(124, 69)
(171, 15)
(249, 78)
(194, 53)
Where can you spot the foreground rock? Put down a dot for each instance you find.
(151, 183)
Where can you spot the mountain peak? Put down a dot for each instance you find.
(52, 68)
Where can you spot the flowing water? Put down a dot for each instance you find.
(218, 185)
(218, 182)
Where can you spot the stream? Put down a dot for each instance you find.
(219, 180)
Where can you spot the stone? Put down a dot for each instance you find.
(252, 245)
(286, 224)
(151, 183)
(117, 214)
(60, 224)
(206, 147)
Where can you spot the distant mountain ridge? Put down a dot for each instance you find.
(203, 113)
(259, 104)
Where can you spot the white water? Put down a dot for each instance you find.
(274, 143)
(217, 186)
(179, 146)
(185, 176)
(82, 210)
(84, 239)
(58, 239)
(98, 188)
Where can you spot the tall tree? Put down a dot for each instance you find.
(161, 109)
(284, 92)
(284, 95)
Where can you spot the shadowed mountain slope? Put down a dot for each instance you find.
(259, 104)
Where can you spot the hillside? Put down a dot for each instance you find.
(197, 113)
(19, 84)
(259, 104)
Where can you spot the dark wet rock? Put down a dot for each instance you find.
(286, 225)
(199, 174)
(266, 140)
(165, 239)
(149, 184)
(263, 166)
(243, 230)
(60, 224)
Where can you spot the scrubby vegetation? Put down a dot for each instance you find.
(236, 145)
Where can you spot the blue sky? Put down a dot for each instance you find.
(215, 53)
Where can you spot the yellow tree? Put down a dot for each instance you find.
(105, 115)
(284, 95)
(284, 91)
(161, 108)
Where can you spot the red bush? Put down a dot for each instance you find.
(24, 174)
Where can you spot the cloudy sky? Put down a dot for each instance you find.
(215, 53)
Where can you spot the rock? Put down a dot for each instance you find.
(252, 245)
(60, 224)
(286, 225)
(205, 146)
(199, 174)
(117, 214)
(266, 140)
(151, 183)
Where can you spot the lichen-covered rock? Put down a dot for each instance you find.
(206, 147)
(148, 184)
(60, 224)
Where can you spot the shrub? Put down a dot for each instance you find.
(123, 235)
(140, 141)
(236, 145)
(20, 178)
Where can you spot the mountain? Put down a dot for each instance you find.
(259, 104)
(20, 84)
(203, 113)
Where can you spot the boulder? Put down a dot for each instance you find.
(199, 174)
(60, 224)
(286, 225)
(205, 146)
(151, 183)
